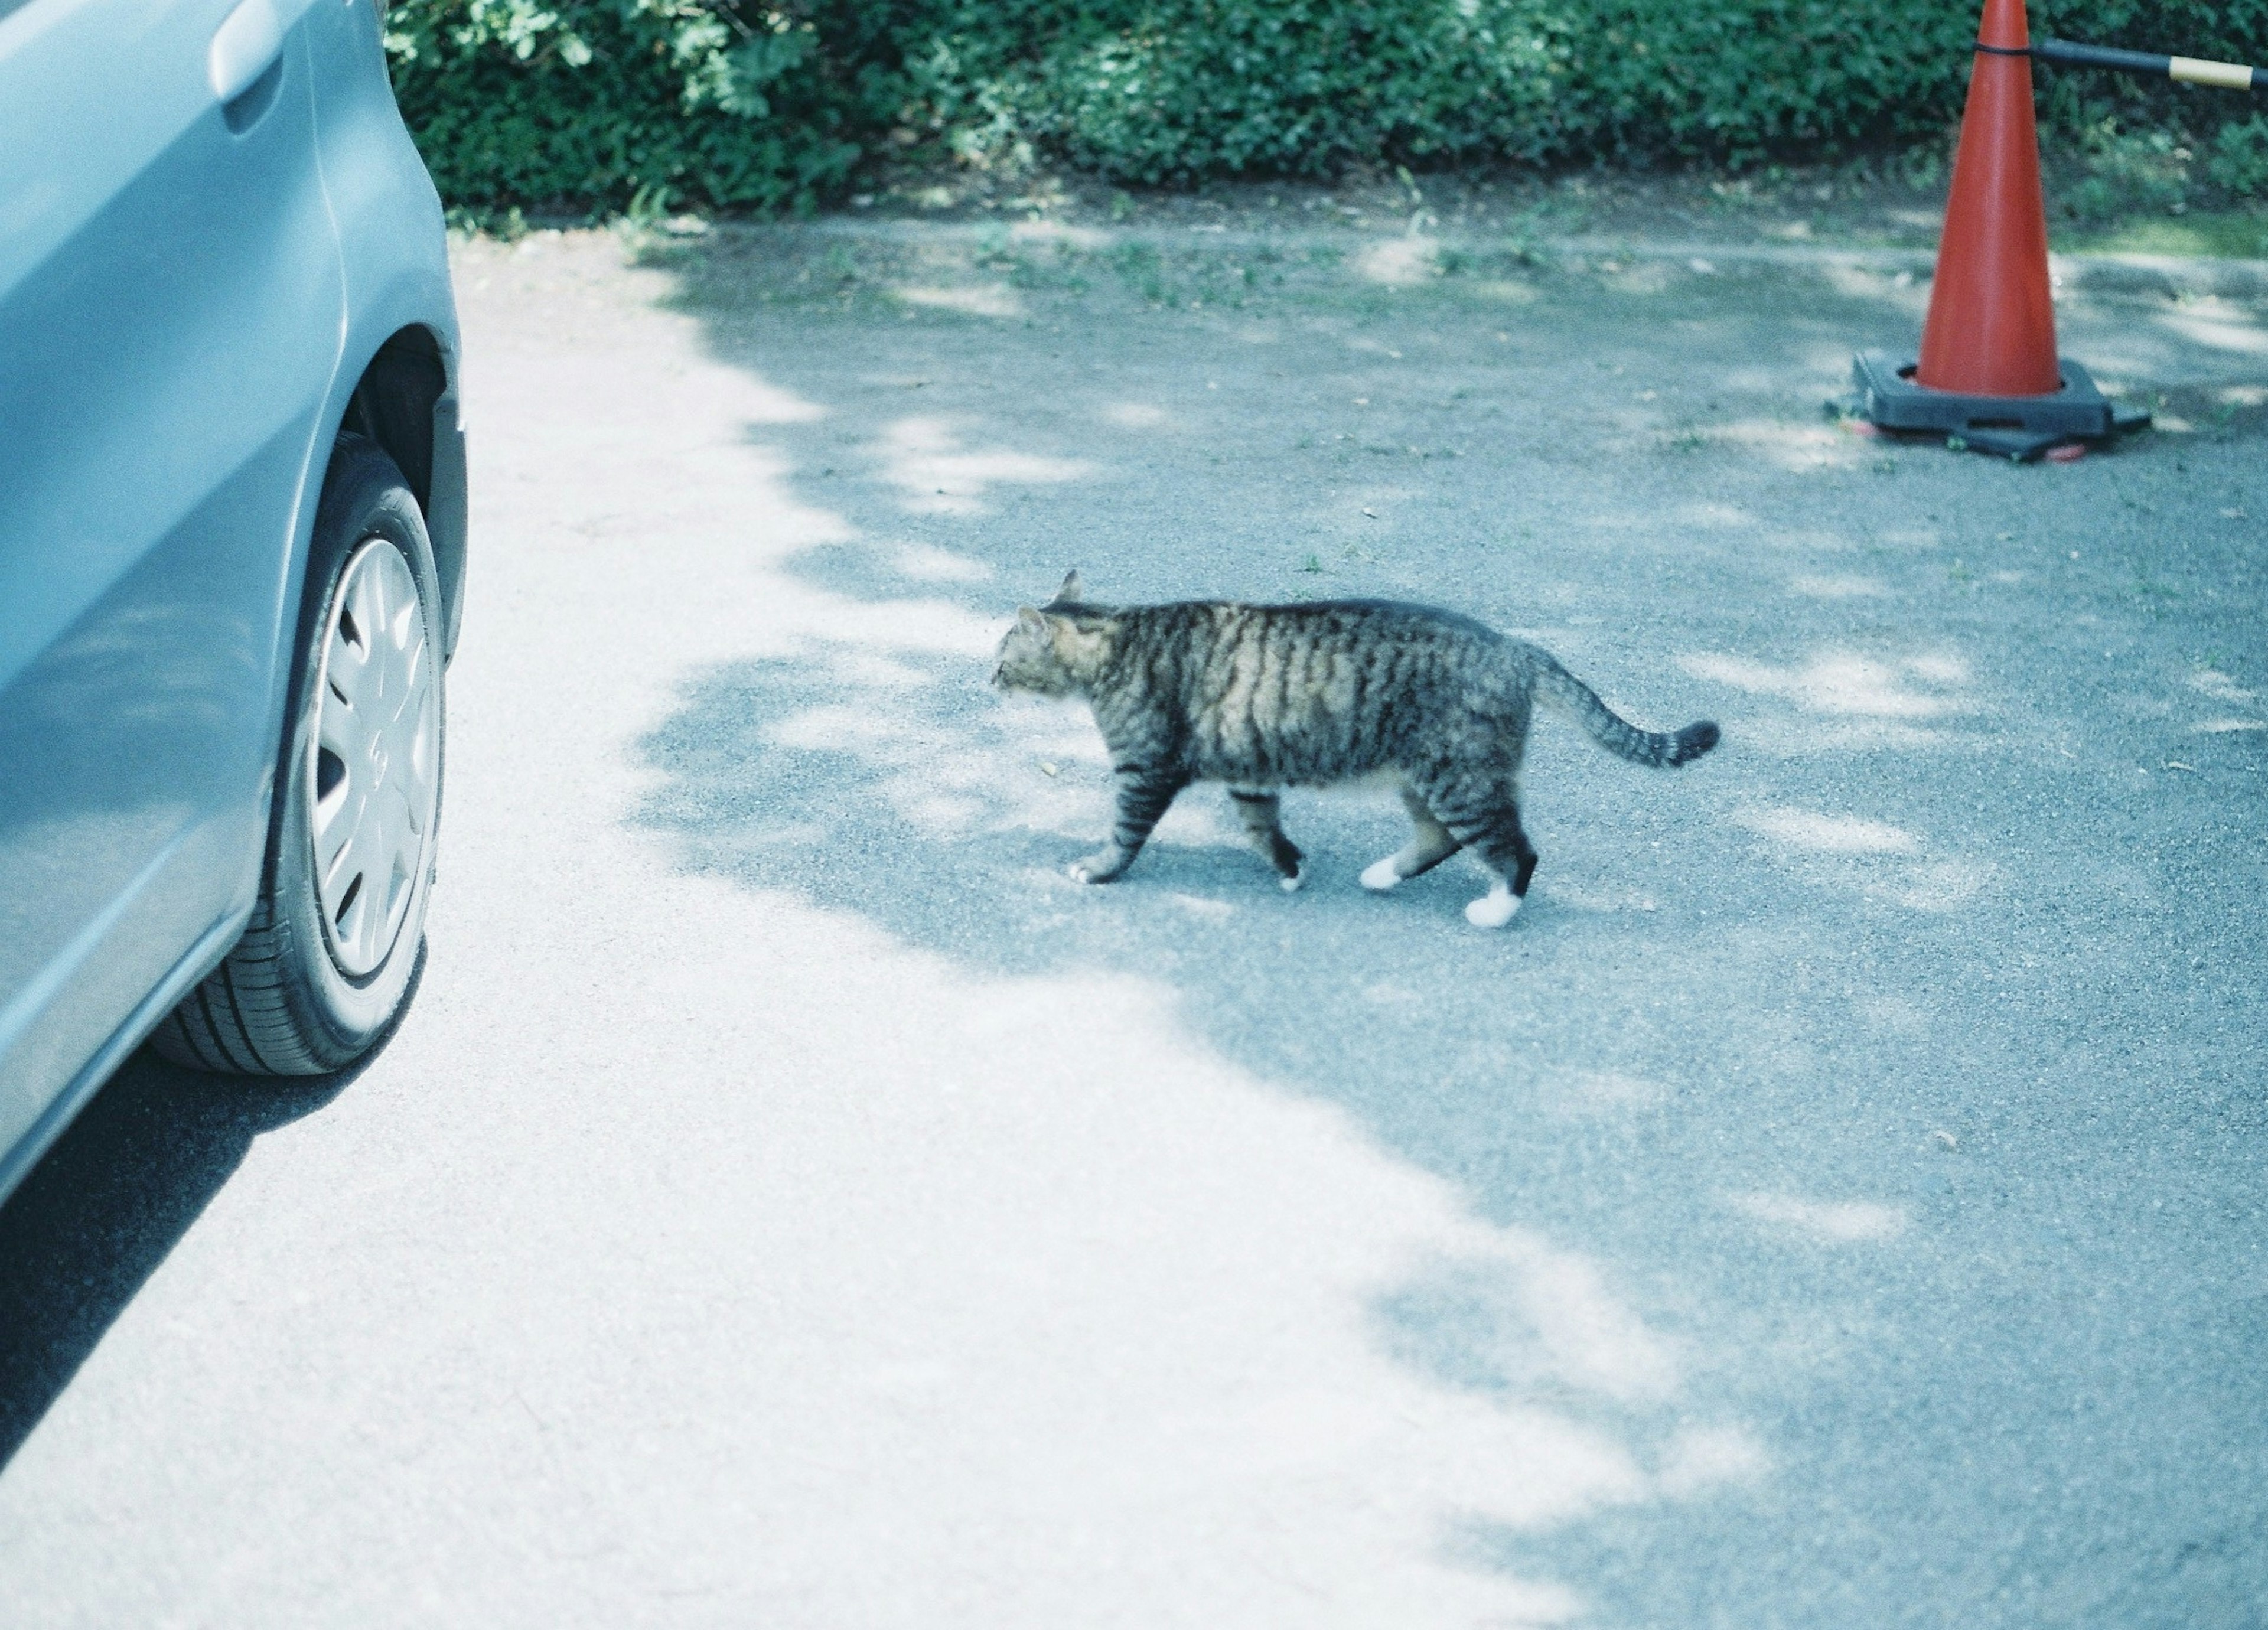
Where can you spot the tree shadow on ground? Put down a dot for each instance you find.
(1867, 1107)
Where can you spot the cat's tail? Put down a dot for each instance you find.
(1663, 750)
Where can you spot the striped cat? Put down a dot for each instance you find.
(1263, 698)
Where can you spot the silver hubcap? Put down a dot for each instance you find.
(371, 785)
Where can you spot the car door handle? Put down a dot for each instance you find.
(244, 47)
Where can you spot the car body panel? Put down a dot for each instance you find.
(180, 340)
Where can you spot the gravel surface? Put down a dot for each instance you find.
(1836, 1201)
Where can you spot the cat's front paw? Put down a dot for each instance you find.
(1380, 875)
(1101, 868)
(1291, 884)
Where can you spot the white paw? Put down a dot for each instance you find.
(1078, 873)
(1380, 875)
(1494, 909)
(1291, 885)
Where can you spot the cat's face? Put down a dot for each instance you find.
(1041, 652)
(1033, 657)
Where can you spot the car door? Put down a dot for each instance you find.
(171, 316)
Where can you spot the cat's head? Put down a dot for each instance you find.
(1052, 648)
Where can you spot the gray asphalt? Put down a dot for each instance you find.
(1837, 1201)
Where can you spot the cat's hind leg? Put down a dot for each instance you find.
(1263, 815)
(1482, 812)
(1430, 844)
(1510, 859)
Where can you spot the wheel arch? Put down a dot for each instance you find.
(406, 402)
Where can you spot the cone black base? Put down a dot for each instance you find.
(2020, 427)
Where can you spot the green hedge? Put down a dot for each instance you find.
(714, 103)
(593, 103)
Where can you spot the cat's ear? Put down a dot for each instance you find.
(1028, 618)
(1070, 594)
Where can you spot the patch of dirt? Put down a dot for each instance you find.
(1895, 202)
(1843, 205)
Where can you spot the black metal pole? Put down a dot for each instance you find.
(2186, 69)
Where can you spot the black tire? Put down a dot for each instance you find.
(282, 1002)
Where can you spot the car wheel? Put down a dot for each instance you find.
(339, 927)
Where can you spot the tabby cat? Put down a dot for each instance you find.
(1264, 697)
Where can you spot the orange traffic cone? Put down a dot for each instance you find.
(1991, 330)
(1988, 376)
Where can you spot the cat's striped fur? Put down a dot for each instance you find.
(1263, 698)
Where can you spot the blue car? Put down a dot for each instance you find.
(231, 542)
